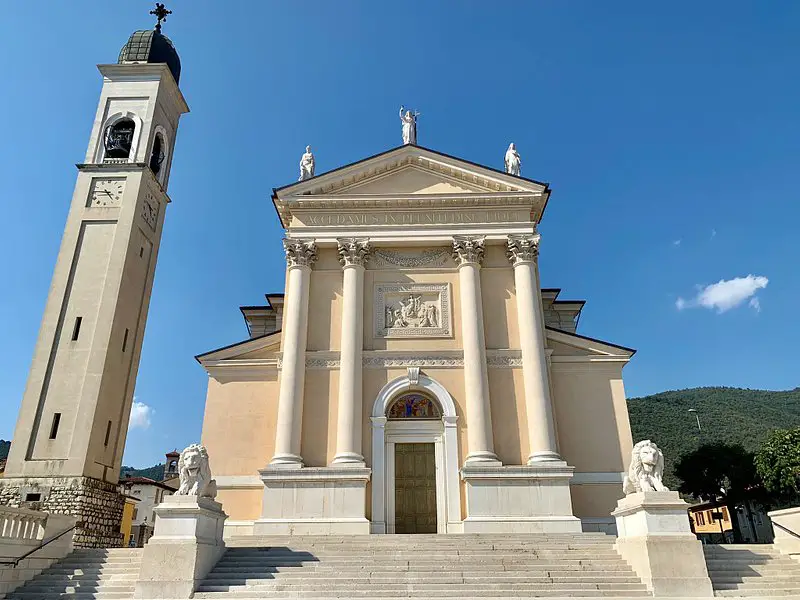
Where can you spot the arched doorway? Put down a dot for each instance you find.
(414, 421)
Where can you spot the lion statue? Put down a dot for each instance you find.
(646, 470)
(195, 474)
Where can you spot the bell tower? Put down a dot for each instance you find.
(70, 434)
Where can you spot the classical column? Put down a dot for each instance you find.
(353, 254)
(523, 251)
(300, 255)
(468, 254)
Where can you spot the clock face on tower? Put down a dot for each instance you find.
(106, 192)
(150, 211)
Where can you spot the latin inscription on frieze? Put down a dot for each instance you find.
(412, 218)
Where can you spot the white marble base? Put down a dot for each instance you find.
(519, 499)
(656, 540)
(186, 544)
(783, 520)
(314, 501)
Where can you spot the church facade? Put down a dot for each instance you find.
(415, 377)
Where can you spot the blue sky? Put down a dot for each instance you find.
(670, 134)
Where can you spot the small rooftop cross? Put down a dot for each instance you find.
(161, 14)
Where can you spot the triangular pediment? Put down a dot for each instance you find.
(410, 179)
(568, 346)
(411, 170)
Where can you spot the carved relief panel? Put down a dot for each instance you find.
(412, 310)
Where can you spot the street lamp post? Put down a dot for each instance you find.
(696, 416)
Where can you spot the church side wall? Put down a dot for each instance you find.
(239, 432)
(594, 432)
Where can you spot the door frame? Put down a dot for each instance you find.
(440, 432)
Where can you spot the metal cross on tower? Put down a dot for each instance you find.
(161, 14)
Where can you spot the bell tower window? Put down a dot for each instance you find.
(119, 139)
(157, 155)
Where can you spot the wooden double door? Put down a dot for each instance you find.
(415, 488)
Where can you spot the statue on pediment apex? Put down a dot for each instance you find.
(409, 120)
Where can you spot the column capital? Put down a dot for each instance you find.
(468, 249)
(523, 248)
(353, 251)
(300, 253)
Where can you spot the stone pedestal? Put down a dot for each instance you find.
(655, 538)
(519, 499)
(185, 546)
(314, 501)
(786, 526)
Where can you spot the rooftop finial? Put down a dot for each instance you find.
(161, 14)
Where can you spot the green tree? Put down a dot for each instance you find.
(778, 464)
(720, 473)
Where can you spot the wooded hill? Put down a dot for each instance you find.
(732, 415)
(4, 448)
(155, 472)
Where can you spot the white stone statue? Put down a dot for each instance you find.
(409, 120)
(646, 470)
(513, 161)
(195, 474)
(307, 165)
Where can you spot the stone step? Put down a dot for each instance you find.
(112, 560)
(53, 595)
(499, 577)
(422, 555)
(760, 594)
(753, 569)
(48, 574)
(419, 568)
(419, 587)
(44, 588)
(460, 594)
(759, 585)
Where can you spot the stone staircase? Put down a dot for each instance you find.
(108, 574)
(422, 566)
(752, 570)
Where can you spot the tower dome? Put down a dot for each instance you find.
(151, 46)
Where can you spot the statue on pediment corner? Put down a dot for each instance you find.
(307, 165)
(513, 161)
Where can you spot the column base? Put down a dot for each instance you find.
(484, 457)
(314, 501)
(519, 499)
(348, 459)
(544, 456)
(286, 461)
(654, 537)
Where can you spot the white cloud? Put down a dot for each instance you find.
(140, 416)
(727, 294)
(713, 233)
(676, 243)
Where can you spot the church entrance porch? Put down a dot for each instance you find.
(414, 488)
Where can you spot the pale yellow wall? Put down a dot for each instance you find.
(595, 500)
(325, 303)
(320, 409)
(241, 504)
(239, 425)
(509, 419)
(593, 430)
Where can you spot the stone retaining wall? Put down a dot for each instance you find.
(96, 505)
